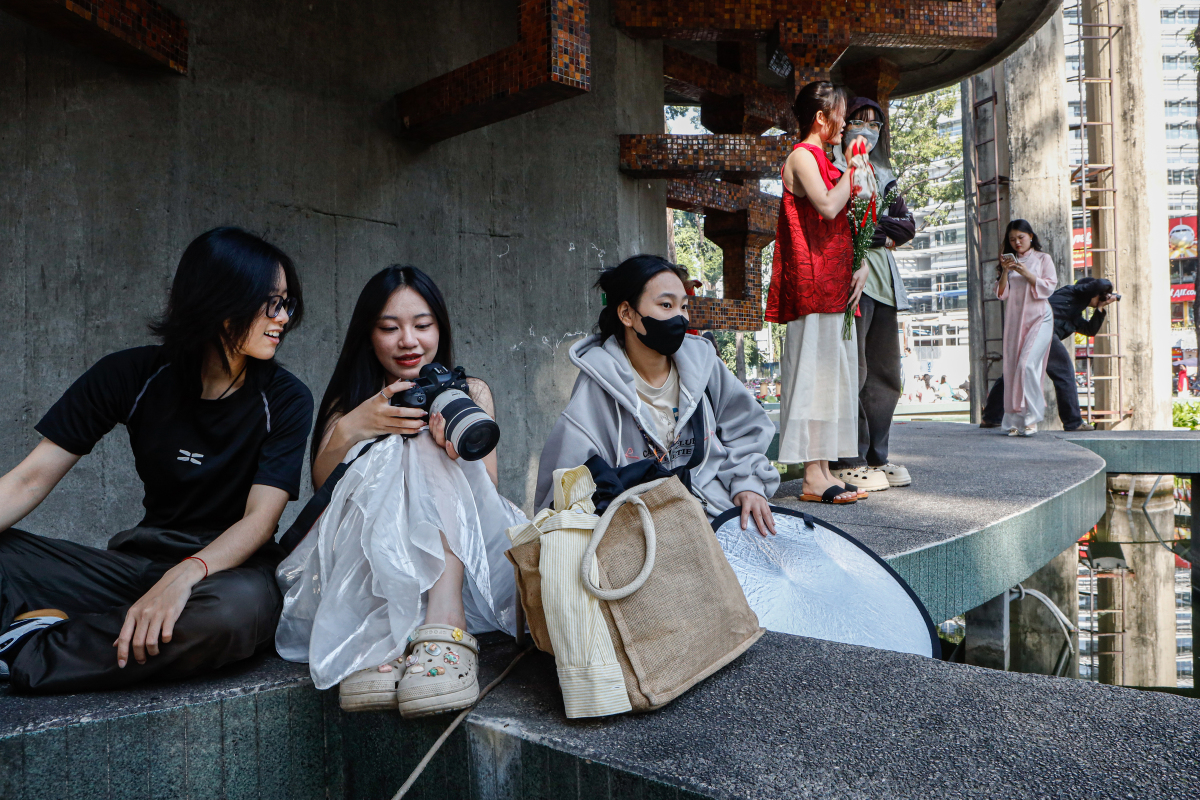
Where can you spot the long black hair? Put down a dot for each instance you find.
(358, 373)
(625, 283)
(814, 97)
(223, 280)
(1024, 227)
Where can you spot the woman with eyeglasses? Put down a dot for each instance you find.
(218, 433)
(882, 297)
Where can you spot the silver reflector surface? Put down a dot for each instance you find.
(812, 579)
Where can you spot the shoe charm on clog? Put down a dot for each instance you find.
(415, 669)
(413, 658)
(451, 657)
(435, 671)
(456, 634)
(432, 649)
(411, 636)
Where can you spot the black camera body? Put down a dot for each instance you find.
(438, 390)
(433, 380)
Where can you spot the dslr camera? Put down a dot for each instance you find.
(438, 390)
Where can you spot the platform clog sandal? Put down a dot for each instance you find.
(370, 689)
(440, 672)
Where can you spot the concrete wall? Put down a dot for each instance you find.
(283, 126)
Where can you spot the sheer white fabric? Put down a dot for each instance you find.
(355, 587)
(818, 413)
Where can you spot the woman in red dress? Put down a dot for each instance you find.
(811, 286)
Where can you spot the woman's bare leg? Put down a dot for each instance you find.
(445, 596)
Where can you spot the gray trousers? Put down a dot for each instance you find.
(879, 385)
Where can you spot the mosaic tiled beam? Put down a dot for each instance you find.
(663, 155)
(704, 197)
(730, 102)
(874, 23)
(133, 32)
(741, 221)
(550, 62)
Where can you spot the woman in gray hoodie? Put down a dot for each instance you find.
(648, 389)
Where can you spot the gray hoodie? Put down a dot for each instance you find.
(603, 415)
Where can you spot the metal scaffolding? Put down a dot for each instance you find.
(988, 208)
(1094, 193)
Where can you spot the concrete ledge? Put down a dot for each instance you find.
(984, 511)
(792, 717)
(1174, 452)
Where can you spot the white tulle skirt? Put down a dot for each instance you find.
(355, 587)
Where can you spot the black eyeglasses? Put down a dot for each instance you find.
(277, 302)
(862, 123)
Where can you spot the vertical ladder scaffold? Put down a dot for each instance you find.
(988, 199)
(1094, 193)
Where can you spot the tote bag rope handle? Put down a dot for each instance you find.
(585, 566)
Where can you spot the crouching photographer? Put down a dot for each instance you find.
(1067, 304)
(407, 560)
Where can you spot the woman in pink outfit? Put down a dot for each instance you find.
(1026, 279)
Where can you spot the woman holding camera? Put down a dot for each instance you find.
(643, 386)
(218, 432)
(409, 555)
(1026, 279)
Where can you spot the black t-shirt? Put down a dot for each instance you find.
(197, 458)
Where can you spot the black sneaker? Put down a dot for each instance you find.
(989, 424)
(1084, 427)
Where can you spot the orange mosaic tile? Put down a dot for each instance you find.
(137, 32)
(550, 62)
(879, 23)
(730, 102)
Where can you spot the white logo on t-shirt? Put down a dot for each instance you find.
(192, 457)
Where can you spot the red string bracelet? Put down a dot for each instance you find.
(201, 560)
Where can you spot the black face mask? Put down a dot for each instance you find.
(664, 335)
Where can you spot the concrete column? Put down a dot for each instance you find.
(1035, 638)
(1194, 558)
(1038, 171)
(987, 639)
(1141, 651)
(1138, 233)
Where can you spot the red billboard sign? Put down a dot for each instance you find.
(1080, 258)
(1183, 292)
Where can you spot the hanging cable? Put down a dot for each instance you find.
(416, 773)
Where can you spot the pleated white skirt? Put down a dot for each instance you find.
(818, 413)
(355, 587)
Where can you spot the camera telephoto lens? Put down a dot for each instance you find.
(468, 427)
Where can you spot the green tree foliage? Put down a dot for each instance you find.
(927, 162)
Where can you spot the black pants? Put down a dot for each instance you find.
(230, 615)
(1061, 369)
(878, 382)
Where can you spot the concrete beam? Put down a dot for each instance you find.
(551, 61)
(890, 23)
(664, 155)
(134, 32)
(728, 99)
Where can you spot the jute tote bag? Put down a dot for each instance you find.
(673, 605)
